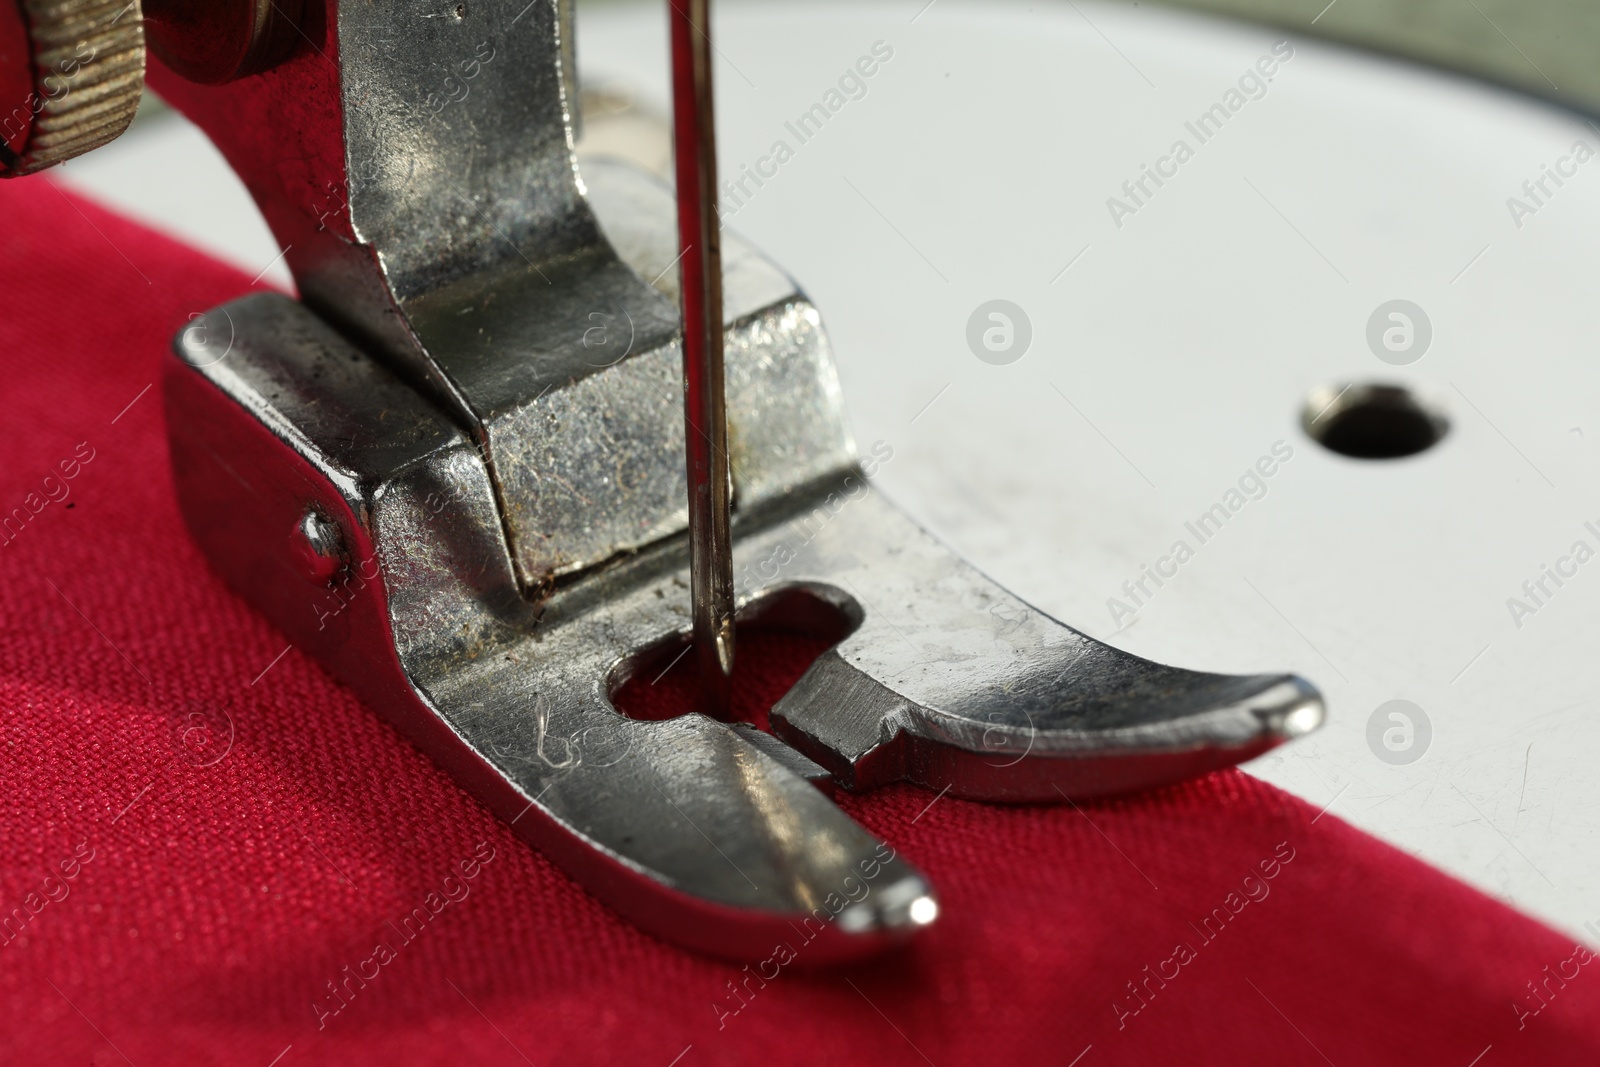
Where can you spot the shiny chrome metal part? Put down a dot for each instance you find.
(704, 392)
(454, 475)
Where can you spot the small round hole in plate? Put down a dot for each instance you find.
(1372, 421)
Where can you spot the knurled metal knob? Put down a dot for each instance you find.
(71, 74)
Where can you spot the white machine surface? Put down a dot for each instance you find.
(1175, 342)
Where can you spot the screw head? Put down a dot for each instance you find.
(318, 546)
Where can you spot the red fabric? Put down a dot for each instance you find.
(222, 897)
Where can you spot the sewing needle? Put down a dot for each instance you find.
(700, 289)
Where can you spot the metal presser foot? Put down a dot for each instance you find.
(453, 471)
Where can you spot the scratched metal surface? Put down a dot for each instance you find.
(1175, 351)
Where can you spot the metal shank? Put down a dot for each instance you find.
(420, 174)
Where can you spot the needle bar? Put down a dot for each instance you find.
(700, 288)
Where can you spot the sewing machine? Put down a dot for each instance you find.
(453, 468)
